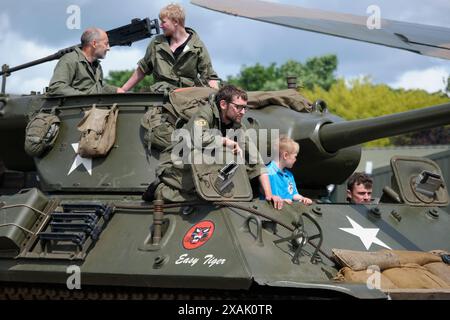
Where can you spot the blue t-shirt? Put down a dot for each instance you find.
(282, 182)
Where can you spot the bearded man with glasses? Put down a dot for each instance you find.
(207, 127)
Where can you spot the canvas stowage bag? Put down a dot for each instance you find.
(160, 122)
(158, 129)
(98, 131)
(364, 276)
(440, 269)
(359, 260)
(413, 276)
(41, 133)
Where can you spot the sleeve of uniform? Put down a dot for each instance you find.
(107, 88)
(253, 159)
(254, 168)
(202, 135)
(145, 64)
(205, 68)
(60, 84)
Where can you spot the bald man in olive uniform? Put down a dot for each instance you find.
(79, 72)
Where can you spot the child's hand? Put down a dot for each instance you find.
(277, 202)
(306, 201)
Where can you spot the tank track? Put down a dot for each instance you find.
(12, 291)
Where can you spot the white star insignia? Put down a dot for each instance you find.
(86, 162)
(367, 235)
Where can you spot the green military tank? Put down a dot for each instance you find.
(73, 227)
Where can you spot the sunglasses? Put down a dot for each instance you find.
(240, 107)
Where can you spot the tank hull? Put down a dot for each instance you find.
(240, 253)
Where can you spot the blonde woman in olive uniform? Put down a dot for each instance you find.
(177, 58)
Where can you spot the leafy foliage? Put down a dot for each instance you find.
(360, 99)
(118, 78)
(316, 71)
(319, 71)
(256, 78)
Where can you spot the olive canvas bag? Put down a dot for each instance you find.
(41, 133)
(98, 131)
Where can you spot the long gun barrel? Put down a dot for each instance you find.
(123, 36)
(336, 136)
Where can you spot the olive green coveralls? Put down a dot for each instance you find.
(192, 68)
(176, 177)
(74, 75)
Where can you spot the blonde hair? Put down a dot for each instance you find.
(174, 12)
(286, 144)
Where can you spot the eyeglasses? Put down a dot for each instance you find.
(240, 107)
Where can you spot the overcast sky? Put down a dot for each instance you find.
(31, 30)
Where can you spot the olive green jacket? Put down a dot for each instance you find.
(192, 68)
(73, 75)
(208, 117)
(178, 175)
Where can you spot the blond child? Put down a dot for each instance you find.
(281, 179)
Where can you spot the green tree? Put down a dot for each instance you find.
(319, 71)
(118, 78)
(254, 78)
(316, 71)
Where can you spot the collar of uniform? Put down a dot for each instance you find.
(160, 39)
(215, 108)
(82, 58)
(194, 41)
(80, 54)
